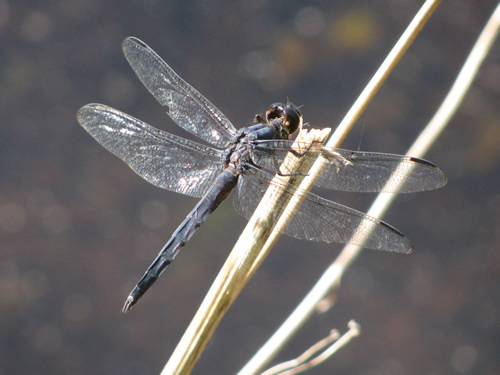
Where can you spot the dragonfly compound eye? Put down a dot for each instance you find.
(293, 118)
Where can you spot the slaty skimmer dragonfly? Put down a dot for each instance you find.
(244, 160)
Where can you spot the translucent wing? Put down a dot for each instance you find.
(358, 171)
(161, 158)
(319, 219)
(185, 105)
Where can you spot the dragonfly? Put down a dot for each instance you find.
(245, 160)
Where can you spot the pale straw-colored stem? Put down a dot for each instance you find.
(330, 280)
(318, 353)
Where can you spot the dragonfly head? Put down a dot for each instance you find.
(288, 114)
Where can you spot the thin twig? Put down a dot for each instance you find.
(306, 356)
(330, 280)
(329, 346)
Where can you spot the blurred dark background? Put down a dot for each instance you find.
(78, 228)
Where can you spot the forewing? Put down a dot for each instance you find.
(319, 219)
(184, 104)
(358, 171)
(163, 159)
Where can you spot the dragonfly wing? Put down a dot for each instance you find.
(185, 105)
(163, 159)
(358, 171)
(378, 172)
(319, 219)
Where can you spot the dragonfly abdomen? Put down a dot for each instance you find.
(215, 195)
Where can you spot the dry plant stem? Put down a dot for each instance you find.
(236, 270)
(383, 72)
(354, 331)
(304, 357)
(274, 344)
(330, 280)
(306, 361)
(462, 83)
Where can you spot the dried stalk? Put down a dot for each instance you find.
(330, 280)
(318, 353)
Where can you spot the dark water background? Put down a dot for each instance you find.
(78, 228)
